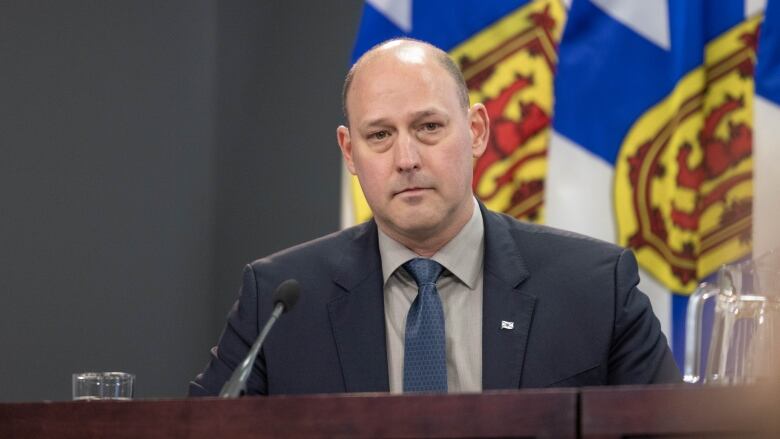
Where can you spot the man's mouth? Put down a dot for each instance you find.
(412, 190)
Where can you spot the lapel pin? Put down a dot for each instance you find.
(507, 325)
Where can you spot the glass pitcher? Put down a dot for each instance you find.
(744, 343)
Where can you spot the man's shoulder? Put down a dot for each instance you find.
(538, 236)
(325, 249)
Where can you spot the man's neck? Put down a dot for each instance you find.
(427, 244)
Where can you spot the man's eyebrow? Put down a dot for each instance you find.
(427, 113)
(379, 122)
(416, 116)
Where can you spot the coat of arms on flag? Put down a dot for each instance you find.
(683, 177)
(509, 67)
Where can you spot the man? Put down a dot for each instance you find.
(437, 293)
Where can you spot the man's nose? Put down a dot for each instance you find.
(407, 153)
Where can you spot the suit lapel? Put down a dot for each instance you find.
(507, 312)
(357, 316)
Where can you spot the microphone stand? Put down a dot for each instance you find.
(236, 386)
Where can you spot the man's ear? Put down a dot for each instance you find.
(345, 143)
(479, 124)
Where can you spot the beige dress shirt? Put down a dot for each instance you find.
(460, 289)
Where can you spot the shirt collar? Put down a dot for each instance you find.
(462, 256)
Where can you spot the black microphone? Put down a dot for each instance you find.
(285, 296)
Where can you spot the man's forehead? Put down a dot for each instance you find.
(398, 65)
(397, 68)
(401, 94)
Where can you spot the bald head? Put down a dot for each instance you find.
(407, 50)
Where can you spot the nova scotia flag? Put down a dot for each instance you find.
(645, 123)
(654, 126)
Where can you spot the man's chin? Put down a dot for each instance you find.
(418, 226)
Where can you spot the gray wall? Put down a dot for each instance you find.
(147, 151)
(281, 68)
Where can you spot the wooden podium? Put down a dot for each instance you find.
(534, 413)
(680, 411)
(606, 412)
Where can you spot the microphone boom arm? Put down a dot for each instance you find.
(236, 385)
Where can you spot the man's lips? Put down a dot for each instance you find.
(412, 190)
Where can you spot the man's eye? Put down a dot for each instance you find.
(430, 126)
(379, 135)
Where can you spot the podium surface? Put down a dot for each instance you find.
(680, 411)
(603, 412)
(531, 413)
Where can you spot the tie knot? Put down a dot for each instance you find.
(424, 271)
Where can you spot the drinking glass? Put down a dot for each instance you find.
(103, 385)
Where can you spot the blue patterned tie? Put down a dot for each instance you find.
(425, 357)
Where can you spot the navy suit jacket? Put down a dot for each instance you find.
(578, 317)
